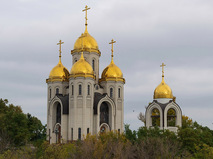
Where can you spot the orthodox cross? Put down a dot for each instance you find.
(60, 42)
(86, 9)
(112, 42)
(162, 69)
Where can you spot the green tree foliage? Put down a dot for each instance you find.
(19, 127)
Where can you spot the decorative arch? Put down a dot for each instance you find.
(57, 131)
(176, 108)
(104, 128)
(52, 110)
(111, 112)
(148, 114)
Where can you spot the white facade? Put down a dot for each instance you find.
(84, 105)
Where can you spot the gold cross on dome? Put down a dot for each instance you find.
(112, 42)
(162, 69)
(86, 9)
(60, 42)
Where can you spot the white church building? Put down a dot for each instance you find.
(163, 112)
(79, 101)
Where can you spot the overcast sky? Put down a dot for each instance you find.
(148, 32)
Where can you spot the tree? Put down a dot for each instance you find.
(19, 127)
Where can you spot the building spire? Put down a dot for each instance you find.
(60, 42)
(162, 70)
(112, 42)
(86, 9)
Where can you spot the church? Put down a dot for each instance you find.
(79, 101)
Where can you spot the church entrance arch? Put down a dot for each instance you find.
(104, 128)
(57, 131)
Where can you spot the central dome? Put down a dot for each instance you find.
(163, 91)
(82, 69)
(89, 43)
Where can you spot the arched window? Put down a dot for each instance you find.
(79, 133)
(111, 92)
(93, 65)
(171, 117)
(104, 113)
(57, 91)
(155, 117)
(79, 89)
(58, 113)
(88, 90)
(50, 92)
(119, 93)
(72, 90)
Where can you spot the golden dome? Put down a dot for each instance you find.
(58, 73)
(82, 69)
(89, 43)
(112, 73)
(163, 90)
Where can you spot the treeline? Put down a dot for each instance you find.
(191, 141)
(18, 129)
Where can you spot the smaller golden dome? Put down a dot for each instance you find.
(82, 69)
(89, 43)
(58, 73)
(163, 91)
(112, 73)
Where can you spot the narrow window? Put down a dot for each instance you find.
(111, 92)
(79, 89)
(58, 113)
(57, 91)
(119, 131)
(49, 136)
(71, 133)
(79, 133)
(88, 90)
(119, 93)
(93, 65)
(87, 130)
(50, 92)
(72, 90)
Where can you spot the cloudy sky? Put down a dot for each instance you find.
(148, 32)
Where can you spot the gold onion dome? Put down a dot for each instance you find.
(82, 69)
(163, 90)
(90, 43)
(112, 73)
(58, 73)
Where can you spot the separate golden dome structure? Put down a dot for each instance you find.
(82, 68)
(163, 90)
(59, 72)
(90, 44)
(112, 72)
